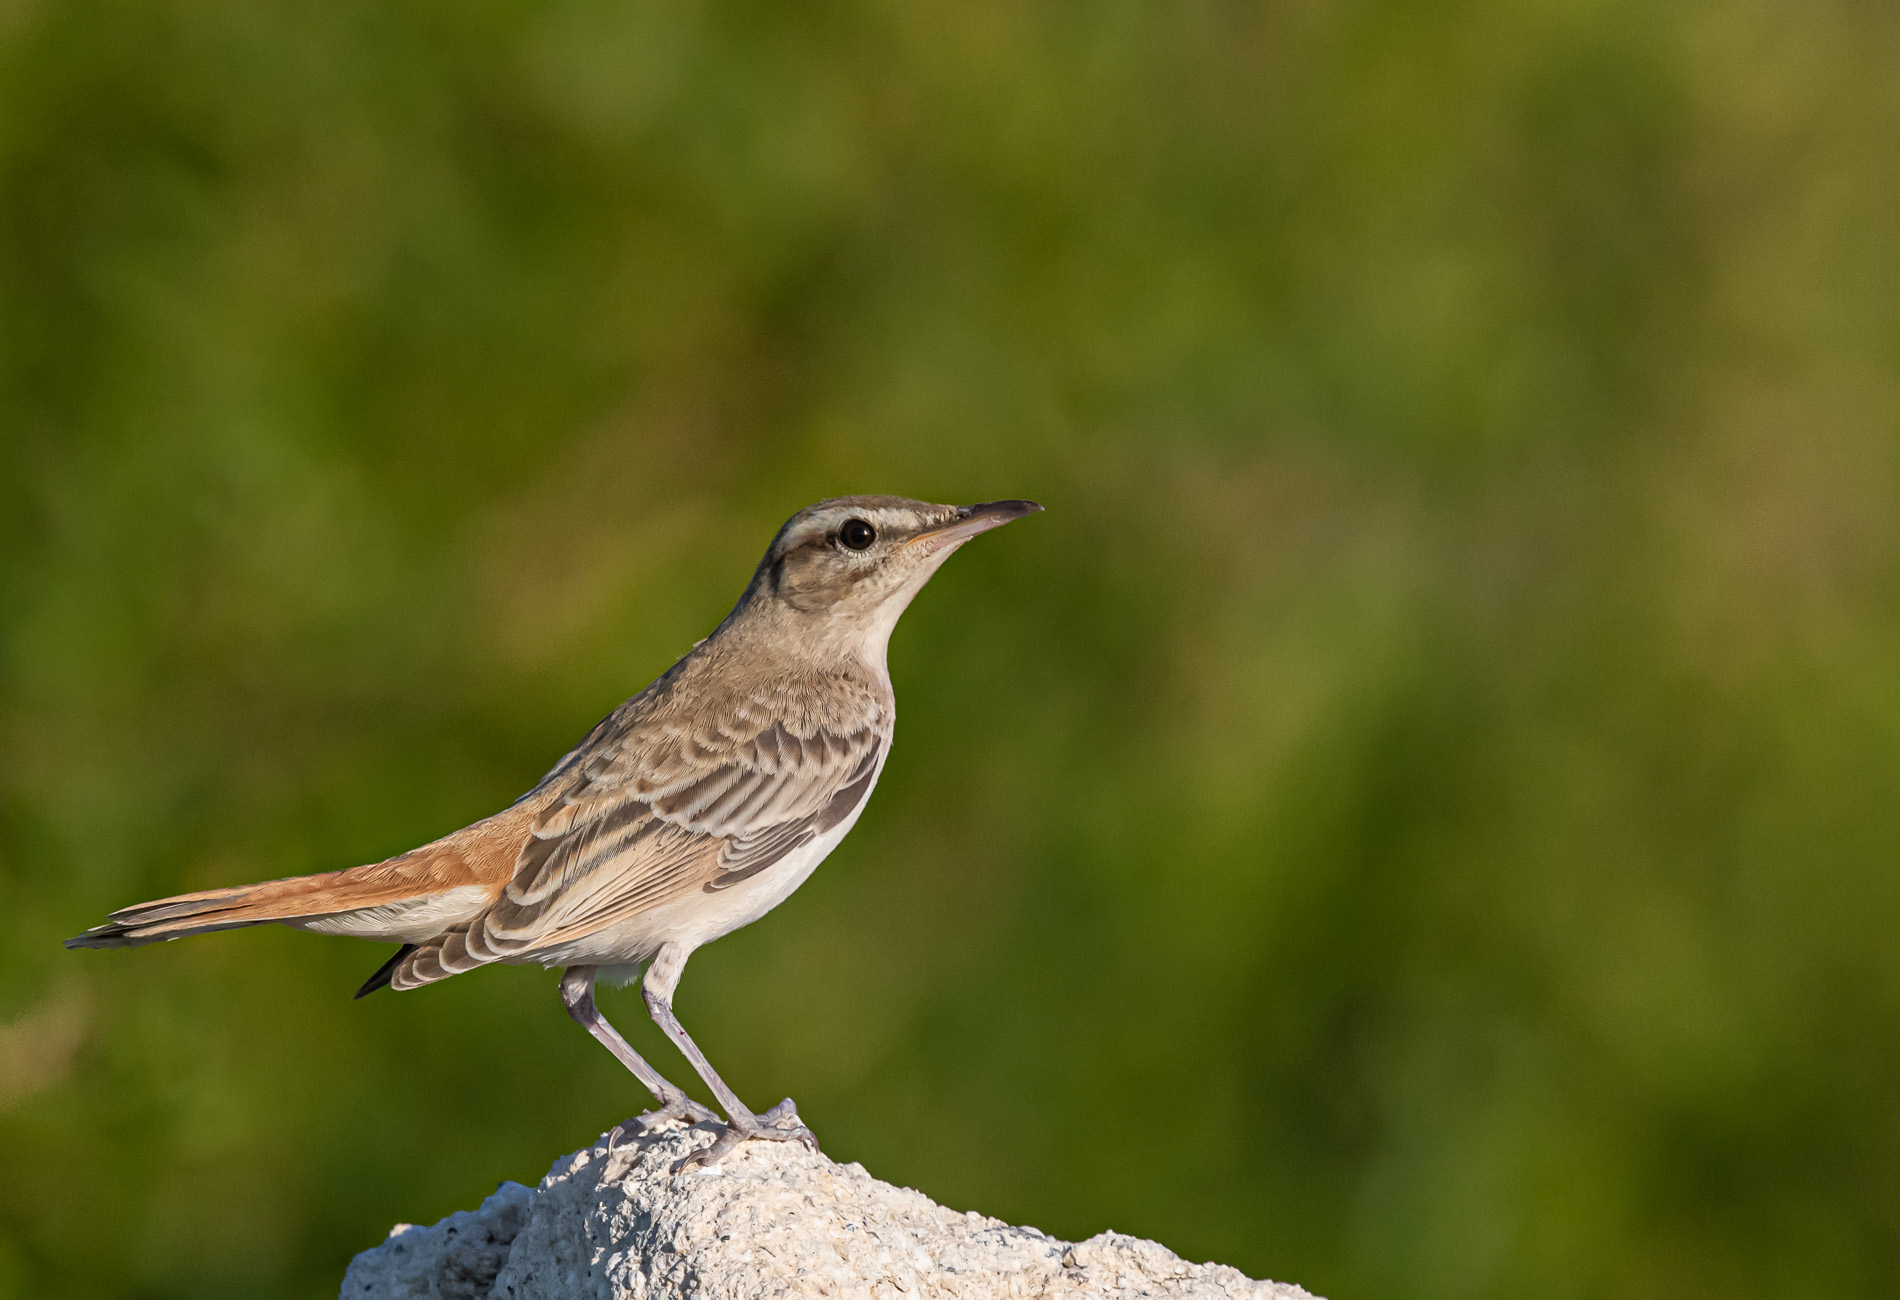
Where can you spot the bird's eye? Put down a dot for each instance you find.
(857, 534)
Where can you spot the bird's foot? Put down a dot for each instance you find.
(679, 1109)
(779, 1124)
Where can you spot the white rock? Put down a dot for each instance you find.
(773, 1220)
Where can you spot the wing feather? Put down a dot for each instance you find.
(660, 811)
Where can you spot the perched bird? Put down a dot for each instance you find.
(693, 809)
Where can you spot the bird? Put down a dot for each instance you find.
(691, 810)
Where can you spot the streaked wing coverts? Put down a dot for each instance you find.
(702, 807)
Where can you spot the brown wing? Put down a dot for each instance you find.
(658, 812)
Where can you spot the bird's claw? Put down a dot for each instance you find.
(779, 1124)
(681, 1110)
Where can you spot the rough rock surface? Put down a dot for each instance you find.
(773, 1220)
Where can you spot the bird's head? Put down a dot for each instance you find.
(856, 562)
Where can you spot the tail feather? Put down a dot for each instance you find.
(388, 900)
(182, 905)
(410, 899)
(208, 911)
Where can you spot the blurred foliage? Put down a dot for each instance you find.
(1418, 815)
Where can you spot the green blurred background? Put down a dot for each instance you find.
(1418, 816)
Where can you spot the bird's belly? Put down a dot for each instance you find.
(705, 916)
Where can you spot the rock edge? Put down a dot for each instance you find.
(614, 1223)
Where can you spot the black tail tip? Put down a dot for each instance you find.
(100, 936)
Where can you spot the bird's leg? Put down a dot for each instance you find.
(577, 992)
(780, 1124)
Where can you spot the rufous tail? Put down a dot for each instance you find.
(223, 909)
(410, 899)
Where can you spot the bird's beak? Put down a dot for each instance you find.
(971, 520)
